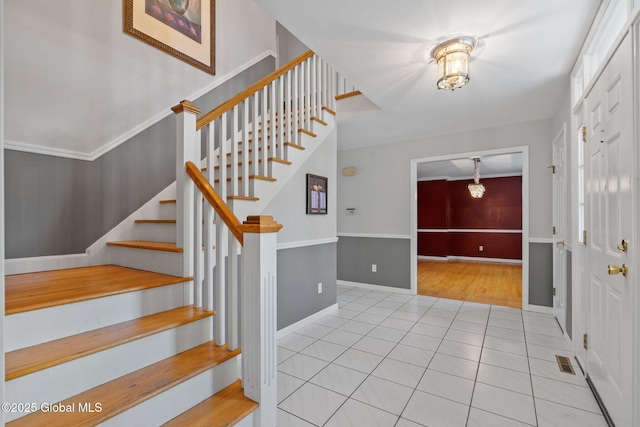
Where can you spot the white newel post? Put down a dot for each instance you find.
(259, 320)
(185, 188)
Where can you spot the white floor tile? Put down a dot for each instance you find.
(339, 379)
(462, 325)
(302, 366)
(373, 319)
(566, 394)
(287, 385)
(386, 303)
(472, 318)
(354, 306)
(380, 311)
(508, 334)
(546, 353)
(314, 331)
(383, 394)
(434, 411)
(330, 321)
(413, 355)
(448, 386)
(503, 402)
(406, 315)
(557, 415)
(374, 345)
(435, 321)
(508, 315)
(464, 368)
(295, 342)
(547, 341)
(284, 354)
(394, 323)
(552, 331)
(458, 349)
(429, 330)
(515, 347)
(506, 323)
(359, 360)
(403, 422)
(346, 313)
(387, 334)
(358, 414)
(464, 337)
(421, 341)
(286, 419)
(342, 338)
(357, 327)
(480, 418)
(312, 403)
(548, 369)
(504, 378)
(324, 350)
(439, 312)
(506, 360)
(399, 372)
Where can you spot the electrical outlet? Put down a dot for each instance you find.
(481, 248)
(374, 268)
(319, 288)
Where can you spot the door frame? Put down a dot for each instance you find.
(524, 150)
(562, 223)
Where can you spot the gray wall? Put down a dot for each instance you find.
(541, 274)
(289, 47)
(391, 256)
(299, 272)
(57, 206)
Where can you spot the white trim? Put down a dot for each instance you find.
(525, 211)
(465, 177)
(465, 230)
(45, 263)
(304, 322)
(2, 233)
(375, 236)
(81, 155)
(470, 258)
(541, 240)
(540, 309)
(376, 287)
(305, 243)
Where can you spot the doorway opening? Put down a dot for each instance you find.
(467, 248)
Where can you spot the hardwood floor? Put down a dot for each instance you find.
(488, 283)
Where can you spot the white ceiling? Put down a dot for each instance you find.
(498, 164)
(519, 72)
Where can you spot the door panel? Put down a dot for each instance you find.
(609, 216)
(560, 224)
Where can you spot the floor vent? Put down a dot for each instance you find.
(565, 365)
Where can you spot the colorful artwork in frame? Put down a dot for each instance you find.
(316, 194)
(182, 28)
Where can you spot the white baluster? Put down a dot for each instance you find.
(233, 291)
(246, 148)
(295, 137)
(282, 118)
(259, 319)
(234, 158)
(273, 120)
(307, 94)
(185, 152)
(221, 238)
(314, 85)
(255, 168)
(262, 153)
(197, 243)
(208, 133)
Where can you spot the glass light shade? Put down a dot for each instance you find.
(452, 57)
(476, 190)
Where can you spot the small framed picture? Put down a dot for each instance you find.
(316, 194)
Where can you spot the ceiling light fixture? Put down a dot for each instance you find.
(476, 189)
(452, 57)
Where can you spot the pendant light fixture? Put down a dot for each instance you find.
(476, 189)
(452, 57)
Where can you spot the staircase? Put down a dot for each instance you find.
(136, 341)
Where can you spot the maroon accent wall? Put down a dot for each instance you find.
(432, 204)
(448, 205)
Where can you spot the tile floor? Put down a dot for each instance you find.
(385, 359)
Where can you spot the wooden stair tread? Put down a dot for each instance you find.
(292, 145)
(329, 110)
(144, 244)
(155, 221)
(252, 199)
(38, 357)
(225, 408)
(277, 160)
(130, 390)
(307, 132)
(33, 291)
(319, 120)
(168, 201)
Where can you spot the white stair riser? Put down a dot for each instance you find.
(167, 210)
(155, 232)
(173, 402)
(68, 379)
(38, 326)
(143, 259)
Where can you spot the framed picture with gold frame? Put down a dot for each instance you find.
(182, 28)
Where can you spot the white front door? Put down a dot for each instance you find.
(609, 216)
(560, 228)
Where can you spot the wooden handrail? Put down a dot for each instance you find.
(218, 204)
(228, 105)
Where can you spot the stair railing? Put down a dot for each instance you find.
(241, 139)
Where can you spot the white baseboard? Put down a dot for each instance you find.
(470, 258)
(375, 287)
(45, 263)
(304, 322)
(540, 309)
